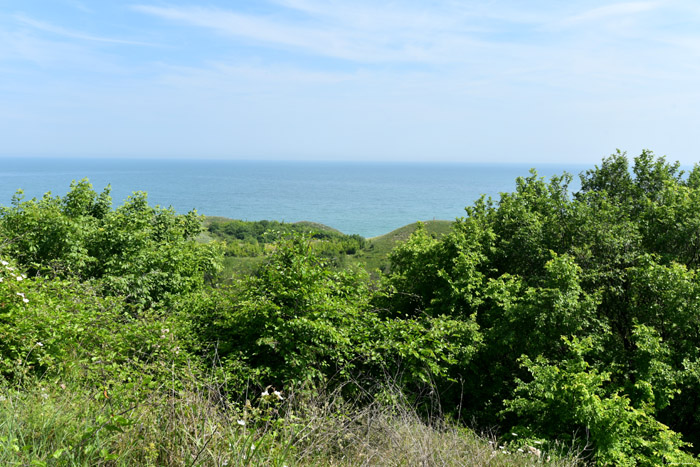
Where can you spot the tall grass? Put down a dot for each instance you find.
(51, 422)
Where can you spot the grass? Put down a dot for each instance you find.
(376, 254)
(240, 265)
(246, 265)
(315, 226)
(55, 423)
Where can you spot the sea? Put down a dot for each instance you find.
(365, 198)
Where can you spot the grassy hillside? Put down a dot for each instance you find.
(375, 255)
(246, 245)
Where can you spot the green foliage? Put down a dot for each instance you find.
(249, 238)
(137, 251)
(614, 266)
(247, 242)
(375, 255)
(290, 324)
(298, 322)
(56, 327)
(573, 397)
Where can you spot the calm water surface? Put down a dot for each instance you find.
(365, 198)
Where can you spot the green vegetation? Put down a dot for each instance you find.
(566, 323)
(375, 256)
(247, 242)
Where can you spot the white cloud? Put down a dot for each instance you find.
(60, 31)
(613, 11)
(369, 35)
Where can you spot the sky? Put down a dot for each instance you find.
(432, 80)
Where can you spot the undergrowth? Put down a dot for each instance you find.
(52, 422)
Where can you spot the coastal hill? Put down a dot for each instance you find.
(248, 241)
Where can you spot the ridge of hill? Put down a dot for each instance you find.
(246, 242)
(376, 254)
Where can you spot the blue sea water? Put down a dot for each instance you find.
(365, 198)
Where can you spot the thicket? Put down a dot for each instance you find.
(256, 238)
(554, 318)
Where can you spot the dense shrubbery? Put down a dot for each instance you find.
(298, 323)
(136, 251)
(558, 317)
(248, 238)
(587, 305)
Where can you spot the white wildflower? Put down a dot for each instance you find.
(25, 300)
(241, 422)
(20, 294)
(279, 395)
(2, 398)
(265, 393)
(0, 279)
(39, 344)
(4, 263)
(252, 447)
(20, 278)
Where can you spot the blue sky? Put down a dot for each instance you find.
(443, 80)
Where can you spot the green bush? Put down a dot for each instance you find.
(298, 322)
(613, 265)
(137, 251)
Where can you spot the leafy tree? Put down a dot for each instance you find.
(612, 265)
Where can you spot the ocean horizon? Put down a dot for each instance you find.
(365, 198)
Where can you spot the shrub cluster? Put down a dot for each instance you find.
(587, 306)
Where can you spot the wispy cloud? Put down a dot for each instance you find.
(443, 33)
(80, 6)
(613, 11)
(497, 49)
(357, 33)
(377, 16)
(69, 33)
